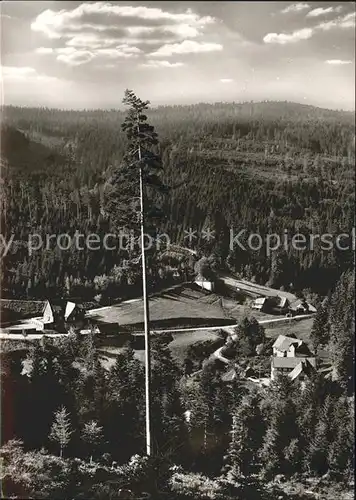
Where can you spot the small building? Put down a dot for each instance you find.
(51, 316)
(112, 334)
(14, 311)
(205, 284)
(305, 369)
(301, 306)
(73, 312)
(290, 347)
(283, 303)
(229, 376)
(107, 328)
(273, 304)
(280, 305)
(292, 366)
(260, 304)
(26, 316)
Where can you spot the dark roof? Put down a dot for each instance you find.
(303, 350)
(303, 367)
(229, 376)
(58, 312)
(23, 308)
(108, 327)
(283, 301)
(290, 362)
(302, 304)
(8, 316)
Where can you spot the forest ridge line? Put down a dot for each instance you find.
(153, 107)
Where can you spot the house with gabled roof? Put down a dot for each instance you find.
(271, 304)
(204, 283)
(296, 368)
(304, 369)
(301, 306)
(73, 312)
(26, 314)
(15, 310)
(260, 304)
(290, 347)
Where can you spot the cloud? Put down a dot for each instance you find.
(284, 38)
(186, 47)
(295, 7)
(226, 80)
(152, 63)
(76, 58)
(44, 50)
(320, 11)
(124, 51)
(23, 73)
(341, 22)
(90, 41)
(92, 22)
(338, 62)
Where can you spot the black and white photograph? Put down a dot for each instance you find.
(177, 250)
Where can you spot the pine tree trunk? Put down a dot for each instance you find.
(146, 314)
(205, 438)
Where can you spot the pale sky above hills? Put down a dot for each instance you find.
(84, 55)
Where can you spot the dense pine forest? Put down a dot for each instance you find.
(76, 429)
(73, 428)
(266, 167)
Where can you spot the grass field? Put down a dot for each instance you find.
(179, 307)
(254, 289)
(185, 306)
(183, 340)
(301, 330)
(179, 346)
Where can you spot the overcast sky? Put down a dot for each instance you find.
(84, 55)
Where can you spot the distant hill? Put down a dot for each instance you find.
(268, 110)
(230, 165)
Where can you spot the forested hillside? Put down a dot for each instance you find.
(265, 167)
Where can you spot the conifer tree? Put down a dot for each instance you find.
(342, 328)
(246, 437)
(282, 435)
(341, 447)
(92, 435)
(316, 459)
(138, 177)
(249, 334)
(309, 401)
(124, 415)
(61, 430)
(320, 332)
(167, 411)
